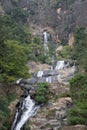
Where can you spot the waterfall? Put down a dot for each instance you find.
(27, 107)
(27, 110)
(48, 79)
(18, 81)
(40, 74)
(60, 65)
(45, 39)
(16, 115)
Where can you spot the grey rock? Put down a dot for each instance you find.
(32, 81)
(41, 80)
(26, 86)
(47, 73)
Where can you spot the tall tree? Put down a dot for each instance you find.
(80, 48)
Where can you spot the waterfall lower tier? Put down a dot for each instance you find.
(26, 110)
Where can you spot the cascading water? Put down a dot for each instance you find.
(45, 39)
(40, 73)
(48, 79)
(27, 107)
(27, 110)
(60, 65)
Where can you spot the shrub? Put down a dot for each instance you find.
(78, 88)
(4, 111)
(77, 116)
(42, 93)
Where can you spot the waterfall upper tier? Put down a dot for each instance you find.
(45, 42)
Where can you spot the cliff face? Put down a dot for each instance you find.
(63, 15)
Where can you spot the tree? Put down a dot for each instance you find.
(13, 61)
(42, 93)
(78, 88)
(80, 48)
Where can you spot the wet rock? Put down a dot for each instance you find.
(32, 81)
(25, 94)
(26, 86)
(47, 73)
(42, 80)
(49, 79)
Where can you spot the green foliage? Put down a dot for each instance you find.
(52, 48)
(1, 78)
(16, 47)
(27, 127)
(66, 52)
(37, 40)
(18, 14)
(13, 60)
(36, 52)
(4, 111)
(80, 48)
(78, 88)
(42, 93)
(77, 116)
(10, 30)
(78, 84)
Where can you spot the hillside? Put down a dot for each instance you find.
(63, 16)
(43, 64)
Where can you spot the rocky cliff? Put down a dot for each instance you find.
(59, 18)
(63, 16)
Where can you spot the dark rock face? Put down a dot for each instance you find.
(62, 16)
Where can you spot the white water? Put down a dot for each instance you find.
(29, 109)
(18, 81)
(15, 120)
(60, 65)
(40, 74)
(45, 42)
(48, 79)
(45, 37)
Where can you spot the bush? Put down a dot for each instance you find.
(42, 93)
(66, 52)
(4, 111)
(78, 88)
(77, 116)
